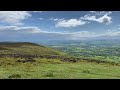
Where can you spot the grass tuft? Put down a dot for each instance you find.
(14, 76)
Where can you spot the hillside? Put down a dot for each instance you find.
(26, 48)
(29, 51)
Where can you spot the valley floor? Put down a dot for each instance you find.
(79, 70)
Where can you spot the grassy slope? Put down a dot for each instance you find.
(27, 48)
(81, 70)
(50, 68)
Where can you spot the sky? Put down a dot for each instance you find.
(58, 25)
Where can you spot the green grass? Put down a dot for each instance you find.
(45, 70)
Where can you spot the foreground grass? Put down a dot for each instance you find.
(79, 70)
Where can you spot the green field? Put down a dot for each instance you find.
(79, 70)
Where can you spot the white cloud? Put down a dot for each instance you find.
(40, 18)
(25, 29)
(5, 28)
(83, 34)
(117, 33)
(13, 17)
(56, 19)
(69, 23)
(103, 13)
(29, 29)
(92, 11)
(99, 13)
(89, 18)
(103, 19)
(38, 11)
(114, 32)
(18, 29)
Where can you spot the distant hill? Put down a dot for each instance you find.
(27, 48)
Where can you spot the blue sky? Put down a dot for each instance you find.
(45, 25)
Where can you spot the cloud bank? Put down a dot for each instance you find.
(70, 23)
(105, 19)
(14, 17)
